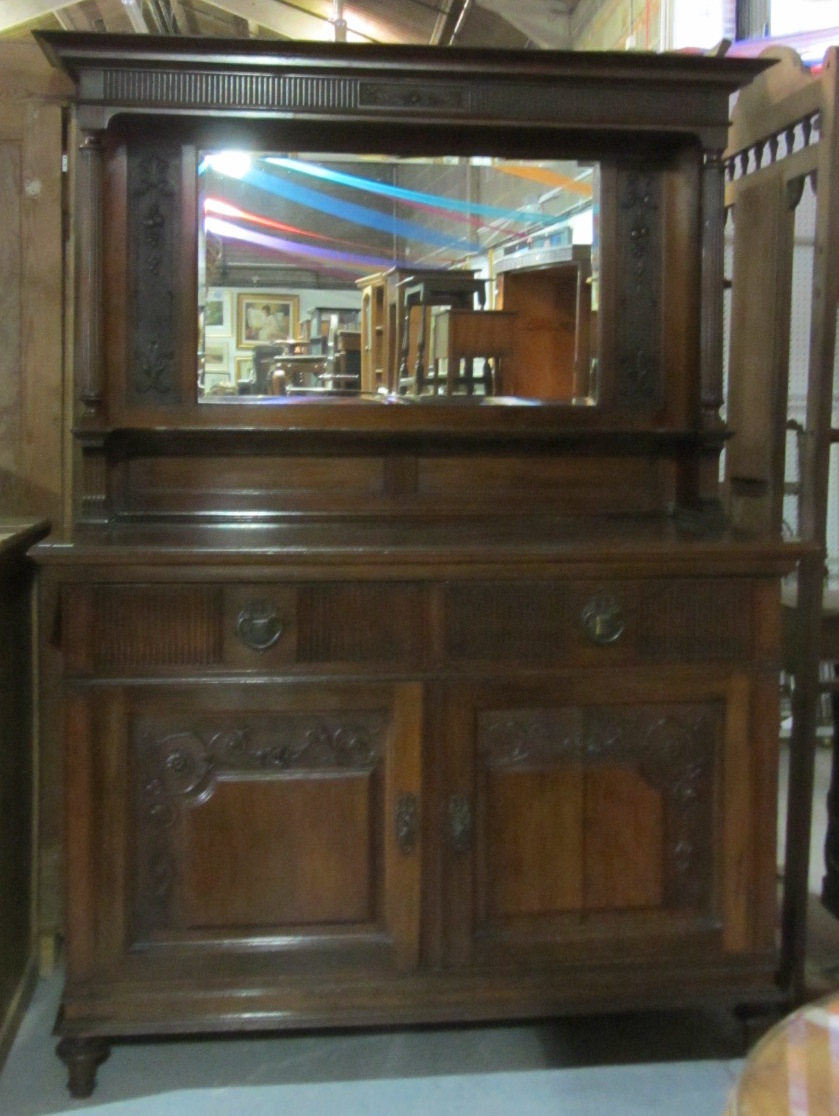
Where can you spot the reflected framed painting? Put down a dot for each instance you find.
(263, 317)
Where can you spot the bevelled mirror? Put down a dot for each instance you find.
(407, 280)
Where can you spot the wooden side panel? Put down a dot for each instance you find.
(764, 224)
(10, 328)
(31, 282)
(42, 321)
(16, 786)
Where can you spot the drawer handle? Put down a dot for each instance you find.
(603, 619)
(406, 822)
(460, 823)
(259, 625)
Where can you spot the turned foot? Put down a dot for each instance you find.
(82, 1057)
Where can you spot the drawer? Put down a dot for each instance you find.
(599, 621)
(254, 627)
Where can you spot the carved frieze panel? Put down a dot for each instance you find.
(672, 747)
(153, 234)
(177, 769)
(467, 94)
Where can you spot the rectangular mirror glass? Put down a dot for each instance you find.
(469, 279)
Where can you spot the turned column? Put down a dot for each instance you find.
(88, 317)
(711, 327)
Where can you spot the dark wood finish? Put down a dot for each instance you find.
(17, 773)
(442, 703)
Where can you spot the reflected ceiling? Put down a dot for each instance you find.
(488, 23)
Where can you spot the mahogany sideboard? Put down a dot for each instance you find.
(378, 710)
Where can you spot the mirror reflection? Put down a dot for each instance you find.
(396, 279)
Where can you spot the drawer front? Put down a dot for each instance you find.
(265, 627)
(258, 627)
(599, 621)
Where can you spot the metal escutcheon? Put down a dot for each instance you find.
(406, 822)
(603, 619)
(460, 823)
(259, 625)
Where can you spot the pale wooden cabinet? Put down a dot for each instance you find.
(385, 709)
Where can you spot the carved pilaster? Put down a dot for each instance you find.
(154, 227)
(711, 336)
(88, 347)
(639, 240)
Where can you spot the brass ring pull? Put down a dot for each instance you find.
(603, 619)
(259, 625)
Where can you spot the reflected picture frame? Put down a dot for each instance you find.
(217, 382)
(218, 313)
(242, 368)
(263, 317)
(217, 355)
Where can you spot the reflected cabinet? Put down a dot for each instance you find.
(399, 660)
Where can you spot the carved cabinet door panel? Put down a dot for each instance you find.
(606, 816)
(210, 824)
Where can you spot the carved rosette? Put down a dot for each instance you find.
(179, 769)
(673, 749)
(638, 325)
(154, 220)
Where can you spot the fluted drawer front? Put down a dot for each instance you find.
(255, 627)
(362, 622)
(263, 627)
(592, 621)
(119, 627)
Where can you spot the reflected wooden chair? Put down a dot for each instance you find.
(460, 338)
(457, 289)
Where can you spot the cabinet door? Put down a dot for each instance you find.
(278, 822)
(608, 818)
